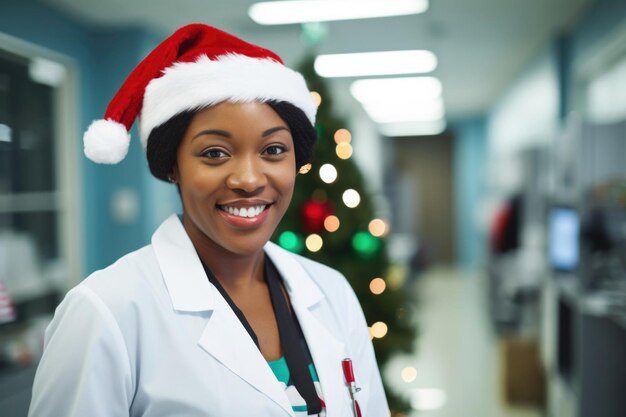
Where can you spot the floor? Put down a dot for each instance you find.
(457, 357)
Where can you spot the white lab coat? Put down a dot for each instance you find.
(151, 336)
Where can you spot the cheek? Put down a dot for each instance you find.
(287, 185)
(198, 186)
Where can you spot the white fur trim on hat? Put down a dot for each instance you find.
(106, 141)
(231, 77)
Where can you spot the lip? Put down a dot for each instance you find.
(246, 203)
(245, 222)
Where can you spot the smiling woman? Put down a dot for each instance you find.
(236, 179)
(211, 319)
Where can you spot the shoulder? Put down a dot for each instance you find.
(132, 279)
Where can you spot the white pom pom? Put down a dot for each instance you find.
(106, 142)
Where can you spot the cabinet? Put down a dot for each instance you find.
(40, 245)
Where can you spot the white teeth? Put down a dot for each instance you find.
(244, 211)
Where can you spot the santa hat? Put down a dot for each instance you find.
(195, 67)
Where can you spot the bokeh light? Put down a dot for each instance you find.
(351, 198)
(343, 150)
(291, 241)
(331, 223)
(409, 374)
(379, 330)
(377, 227)
(342, 136)
(314, 242)
(317, 99)
(328, 173)
(365, 244)
(377, 286)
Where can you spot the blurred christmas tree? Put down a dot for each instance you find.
(332, 220)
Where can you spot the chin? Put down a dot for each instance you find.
(245, 245)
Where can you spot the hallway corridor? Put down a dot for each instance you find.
(457, 357)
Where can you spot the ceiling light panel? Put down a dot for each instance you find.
(375, 63)
(402, 129)
(405, 89)
(393, 112)
(303, 11)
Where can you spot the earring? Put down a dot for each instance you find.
(171, 179)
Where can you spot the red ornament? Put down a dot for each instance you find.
(313, 214)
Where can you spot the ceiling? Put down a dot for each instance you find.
(481, 44)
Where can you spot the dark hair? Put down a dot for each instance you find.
(164, 139)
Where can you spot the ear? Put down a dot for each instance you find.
(173, 175)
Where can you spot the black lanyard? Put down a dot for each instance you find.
(290, 333)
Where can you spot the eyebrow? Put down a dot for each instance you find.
(226, 134)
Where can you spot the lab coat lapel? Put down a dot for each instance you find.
(224, 337)
(327, 351)
(239, 353)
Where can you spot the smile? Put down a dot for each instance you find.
(245, 212)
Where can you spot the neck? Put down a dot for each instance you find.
(234, 271)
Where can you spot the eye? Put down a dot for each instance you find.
(214, 153)
(275, 150)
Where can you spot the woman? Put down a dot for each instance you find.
(211, 319)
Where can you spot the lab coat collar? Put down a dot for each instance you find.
(187, 284)
(190, 290)
(186, 281)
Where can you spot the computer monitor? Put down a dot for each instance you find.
(564, 238)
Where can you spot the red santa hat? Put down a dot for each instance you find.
(195, 67)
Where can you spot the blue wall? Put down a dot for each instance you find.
(103, 59)
(470, 153)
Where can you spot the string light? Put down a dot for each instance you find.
(379, 329)
(409, 374)
(314, 242)
(343, 150)
(365, 244)
(328, 173)
(351, 198)
(331, 223)
(377, 286)
(343, 136)
(290, 241)
(317, 98)
(377, 227)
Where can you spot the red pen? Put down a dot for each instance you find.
(348, 373)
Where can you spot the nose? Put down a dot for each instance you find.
(247, 175)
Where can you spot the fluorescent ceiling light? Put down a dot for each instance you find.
(386, 112)
(405, 99)
(301, 11)
(434, 127)
(375, 63)
(390, 90)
